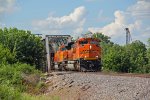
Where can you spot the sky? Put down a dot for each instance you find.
(76, 17)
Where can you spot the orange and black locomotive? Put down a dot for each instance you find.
(84, 54)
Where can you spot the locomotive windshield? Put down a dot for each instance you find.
(94, 42)
(70, 45)
(63, 49)
(83, 42)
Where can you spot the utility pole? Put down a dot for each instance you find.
(128, 36)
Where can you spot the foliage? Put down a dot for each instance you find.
(9, 93)
(103, 38)
(115, 60)
(137, 52)
(148, 55)
(132, 58)
(16, 48)
(14, 78)
(5, 55)
(129, 58)
(13, 74)
(26, 47)
(148, 52)
(147, 67)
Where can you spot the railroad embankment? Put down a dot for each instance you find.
(90, 86)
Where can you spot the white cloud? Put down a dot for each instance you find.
(7, 6)
(141, 9)
(116, 27)
(134, 18)
(102, 18)
(72, 23)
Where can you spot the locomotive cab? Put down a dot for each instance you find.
(89, 55)
(89, 49)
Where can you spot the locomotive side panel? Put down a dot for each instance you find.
(70, 54)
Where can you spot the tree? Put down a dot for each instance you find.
(26, 47)
(137, 52)
(133, 57)
(116, 59)
(147, 67)
(5, 55)
(103, 38)
(148, 51)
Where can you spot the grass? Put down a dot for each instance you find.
(39, 97)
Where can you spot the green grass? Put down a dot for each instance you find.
(16, 79)
(39, 97)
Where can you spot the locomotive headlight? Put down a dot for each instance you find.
(90, 47)
(96, 56)
(85, 56)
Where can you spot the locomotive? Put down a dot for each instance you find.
(84, 54)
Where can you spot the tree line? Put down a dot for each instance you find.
(130, 58)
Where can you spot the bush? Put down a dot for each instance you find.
(16, 79)
(13, 74)
(26, 69)
(5, 55)
(9, 93)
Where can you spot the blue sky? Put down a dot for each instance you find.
(76, 17)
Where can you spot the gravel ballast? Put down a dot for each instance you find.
(85, 86)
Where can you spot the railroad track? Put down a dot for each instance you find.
(104, 73)
(119, 74)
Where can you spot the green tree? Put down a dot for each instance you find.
(26, 47)
(103, 38)
(137, 52)
(147, 67)
(148, 51)
(6, 56)
(116, 59)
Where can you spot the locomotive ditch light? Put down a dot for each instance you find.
(90, 47)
